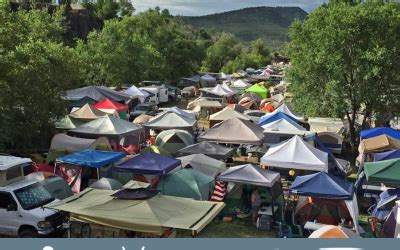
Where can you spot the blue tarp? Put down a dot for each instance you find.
(92, 158)
(277, 116)
(149, 163)
(393, 154)
(365, 134)
(322, 185)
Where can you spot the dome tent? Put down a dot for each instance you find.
(172, 140)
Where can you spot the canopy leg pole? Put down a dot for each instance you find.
(272, 205)
(98, 174)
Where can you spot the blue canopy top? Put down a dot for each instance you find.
(92, 158)
(322, 185)
(385, 203)
(365, 134)
(279, 115)
(149, 163)
(393, 154)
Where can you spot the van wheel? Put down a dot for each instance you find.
(28, 233)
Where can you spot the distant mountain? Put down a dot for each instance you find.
(269, 23)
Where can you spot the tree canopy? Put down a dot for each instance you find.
(345, 59)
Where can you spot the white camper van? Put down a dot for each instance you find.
(160, 93)
(22, 202)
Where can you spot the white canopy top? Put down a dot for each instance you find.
(134, 92)
(283, 124)
(296, 154)
(240, 84)
(227, 113)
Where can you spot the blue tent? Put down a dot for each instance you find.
(393, 154)
(278, 116)
(365, 134)
(149, 163)
(92, 158)
(322, 185)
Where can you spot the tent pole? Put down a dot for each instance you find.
(98, 174)
(272, 205)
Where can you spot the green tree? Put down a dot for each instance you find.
(36, 69)
(345, 59)
(224, 49)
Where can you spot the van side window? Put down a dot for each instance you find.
(5, 200)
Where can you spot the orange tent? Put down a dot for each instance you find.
(335, 232)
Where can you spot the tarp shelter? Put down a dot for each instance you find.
(234, 131)
(224, 115)
(134, 92)
(296, 154)
(333, 232)
(171, 120)
(106, 184)
(174, 139)
(205, 164)
(209, 149)
(326, 186)
(88, 113)
(334, 125)
(149, 163)
(378, 144)
(62, 144)
(108, 127)
(187, 183)
(152, 215)
(286, 110)
(268, 118)
(373, 132)
(67, 123)
(110, 107)
(387, 171)
(391, 227)
(96, 93)
(250, 175)
(256, 88)
(392, 154)
(92, 158)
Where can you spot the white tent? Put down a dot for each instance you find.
(296, 154)
(283, 124)
(221, 90)
(134, 92)
(171, 120)
(240, 84)
(207, 165)
(285, 109)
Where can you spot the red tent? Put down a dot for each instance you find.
(110, 104)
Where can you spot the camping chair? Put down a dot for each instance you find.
(376, 226)
(290, 229)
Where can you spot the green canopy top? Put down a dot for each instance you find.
(383, 171)
(68, 123)
(261, 91)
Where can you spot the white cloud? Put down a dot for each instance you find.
(205, 7)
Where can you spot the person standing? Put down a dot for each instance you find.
(255, 204)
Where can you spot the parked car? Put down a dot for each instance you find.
(22, 202)
(144, 108)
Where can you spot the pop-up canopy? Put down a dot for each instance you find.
(171, 120)
(373, 132)
(209, 149)
(286, 110)
(296, 154)
(261, 91)
(92, 158)
(110, 104)
(268, 118)
(88, 112)
(234, 131)
(387, 171)
(134, 92)
(151, 215)
(249, 174)
(149, 163)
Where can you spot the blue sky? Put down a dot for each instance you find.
(205, 7)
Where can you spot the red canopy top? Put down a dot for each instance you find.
(110, 104)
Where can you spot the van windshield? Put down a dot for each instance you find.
(33, 196)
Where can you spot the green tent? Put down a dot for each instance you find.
(261, 91)
(187, 183)
(383, 171)
(67, 123)
(151, 215)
